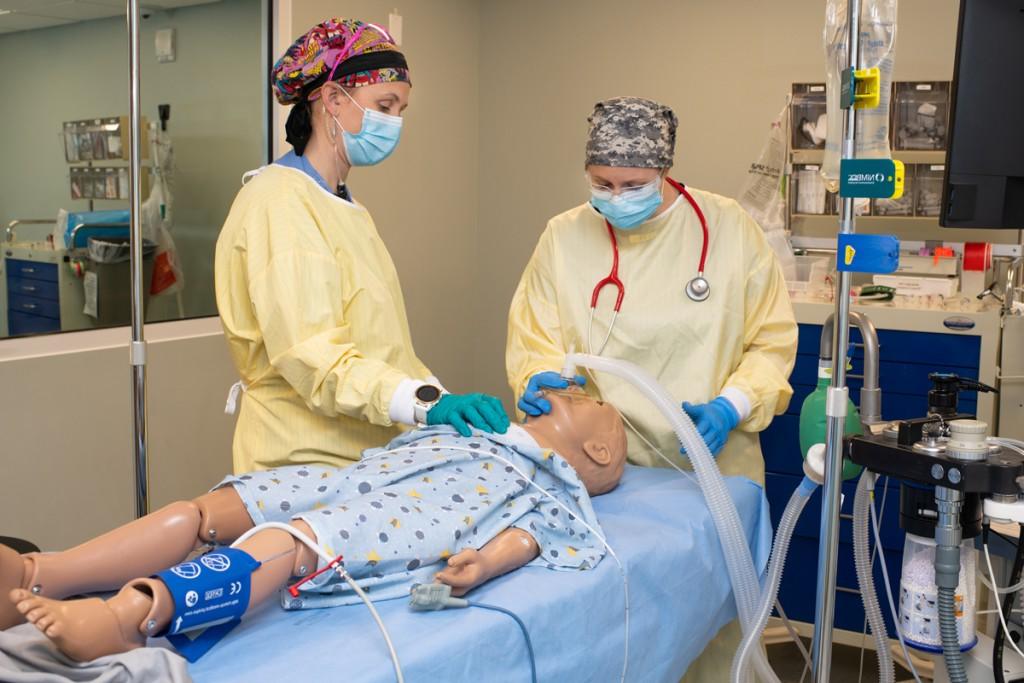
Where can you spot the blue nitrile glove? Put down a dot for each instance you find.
(714, 421)
(533, 402)
(464, 411)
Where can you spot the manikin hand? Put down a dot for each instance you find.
(466, 570)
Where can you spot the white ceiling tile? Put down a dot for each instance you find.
(76, 10)
(145, 4)
(186, 3)
(24, 15)
(26, 5)
(25, 22)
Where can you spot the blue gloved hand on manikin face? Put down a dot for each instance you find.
(533, 402)
(714, 421)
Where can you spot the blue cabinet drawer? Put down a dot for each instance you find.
(20, 324)
(780, 446)
(30, 305)
(905, 346)
(40, 289)
(31, 270)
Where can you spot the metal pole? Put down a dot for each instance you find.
(138, 343)
(828, 540)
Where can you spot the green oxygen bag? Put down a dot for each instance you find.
(814, 422)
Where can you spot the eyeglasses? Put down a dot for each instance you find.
(626, 193)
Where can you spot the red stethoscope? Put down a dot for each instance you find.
(698, 289)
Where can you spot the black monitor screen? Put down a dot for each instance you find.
(984, 181)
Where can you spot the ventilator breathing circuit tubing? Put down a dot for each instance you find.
(751, 602)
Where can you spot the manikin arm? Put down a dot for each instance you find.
(509, 550)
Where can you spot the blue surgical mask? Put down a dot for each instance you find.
(629, 208)
(376, 139)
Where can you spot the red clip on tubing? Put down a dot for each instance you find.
(293, 590)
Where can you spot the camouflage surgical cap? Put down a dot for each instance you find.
(631, 132)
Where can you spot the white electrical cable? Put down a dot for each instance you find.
(529, 480)
(888, 588)
(322, 554)
(1002, 617)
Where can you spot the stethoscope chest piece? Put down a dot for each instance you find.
(698, 289)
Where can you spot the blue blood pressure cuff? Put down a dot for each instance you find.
(210, 594)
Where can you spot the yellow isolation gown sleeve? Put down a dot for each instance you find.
(315, 322)
(769, 336)
(742, 339)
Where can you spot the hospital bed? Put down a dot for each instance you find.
(657, 523)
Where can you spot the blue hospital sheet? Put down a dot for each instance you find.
(680, 596)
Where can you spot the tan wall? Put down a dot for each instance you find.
(66, 468)
(725, 67)
(424, 198)
(492, 148)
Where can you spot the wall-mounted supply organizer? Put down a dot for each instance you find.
(96, 143)
(110, 182)
(103, 139)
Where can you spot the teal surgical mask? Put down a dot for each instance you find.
(630, 207)
(376, 140)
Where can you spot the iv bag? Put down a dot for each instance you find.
(877, 48)
(762, 193)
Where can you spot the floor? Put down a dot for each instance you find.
(789, 664)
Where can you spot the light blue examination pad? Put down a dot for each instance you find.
(680, 596)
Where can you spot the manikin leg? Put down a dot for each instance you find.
(91, 628)
(139, 548)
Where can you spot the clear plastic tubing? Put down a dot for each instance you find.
(865, 576)
(752, 638)
(739, 563)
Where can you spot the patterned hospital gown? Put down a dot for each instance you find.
(399, 513)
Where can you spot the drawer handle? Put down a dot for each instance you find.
(28, 270)
(29, 307)
(28, 288)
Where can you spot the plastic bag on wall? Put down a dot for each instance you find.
(168, 277)
(157, 217)
(762, 193)
(877, 48)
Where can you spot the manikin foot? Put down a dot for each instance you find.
(90, 628)
(12, 575)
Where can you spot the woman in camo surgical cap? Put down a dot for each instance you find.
(727, 356)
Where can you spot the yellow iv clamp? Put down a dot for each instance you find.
(867, 179)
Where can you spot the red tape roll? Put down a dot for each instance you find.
(977, 256)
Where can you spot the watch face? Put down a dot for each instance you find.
(428, 393)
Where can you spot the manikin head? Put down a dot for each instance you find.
(588, 433)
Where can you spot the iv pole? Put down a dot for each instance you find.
(138, 343)
(828, 543)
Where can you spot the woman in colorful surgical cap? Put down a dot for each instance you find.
(727, 357)
(307, 292)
